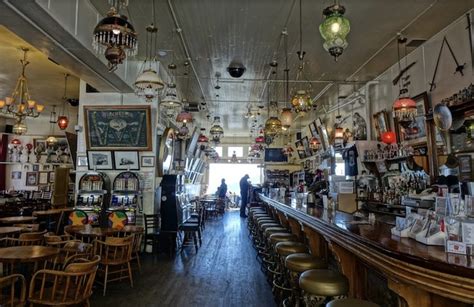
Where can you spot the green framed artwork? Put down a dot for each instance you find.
(118, 127)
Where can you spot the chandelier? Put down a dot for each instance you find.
(286, 118)
(272, 126)
(148, 83)
(334, 30)
(115, 36)
(216, 131)
(171, 99)
(184, 117)
(20, 104)
(301, 101)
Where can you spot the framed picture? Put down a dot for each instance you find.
(381, 123)
(147, 161)
(31, 178)
(465, 167)
(100, 160)
(61, 143)
(82, 161)
(126, 160)
(43, 177)
(51, 177)
(307, 149)
(416, 132)
(313, 129)
(118, 127)
(16, 175)
(300, 149)
(36, 167)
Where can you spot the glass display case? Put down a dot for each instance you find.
(93, 196)
(126, 195)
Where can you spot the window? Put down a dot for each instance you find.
(232, 173)
(219, 150)
(239, 151)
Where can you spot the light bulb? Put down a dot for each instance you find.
(116, 31)
(335, 27)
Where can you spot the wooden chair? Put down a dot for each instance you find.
(117, 219)
(152, 231)
(211, 210)
(115, 253)
(220, 206)
(78, 217)
(13, 290)
(27, 239)
(69, 287)
(28, 227)
(137, 244)
(67, 250)
(53, 240)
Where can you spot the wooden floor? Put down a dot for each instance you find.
(224, 272)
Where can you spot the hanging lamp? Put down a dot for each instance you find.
(404, 108)
(334, 29)
(63, 119)
(216, 131)
(301, 101)
(184, 117)
(388, 137)
(51, 140)
(148, 83)
(115, 37)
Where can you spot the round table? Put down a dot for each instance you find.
(91, 232)
(25, 254)
(132, 229)
(5, 231)
(17, 219)
(51, 212)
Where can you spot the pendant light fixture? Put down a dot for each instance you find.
(115, 36)
(286, 114)
(388, 137)
(404, 108)
(216, 131)
(51, 140)
(334, 29)
(273, 125)
(63, 119)
(338, 131)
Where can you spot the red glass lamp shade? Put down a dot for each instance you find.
(63, 122)
(203, 139)
(404, 109)
(16, 142)
(388, 137)
(260, 139)
(184, 117)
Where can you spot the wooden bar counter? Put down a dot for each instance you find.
(414, 274)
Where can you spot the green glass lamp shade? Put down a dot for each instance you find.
(334, 30)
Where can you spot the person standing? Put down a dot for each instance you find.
(244, 194)
(222, 189)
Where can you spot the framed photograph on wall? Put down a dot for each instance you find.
(51, 177)
(300, 149)
(82, 161)
(36, 167)
(147, 161)
(126, 160)
(381, 123)
(16, 175)
(307, 149)
(118, 127)
(465, 167)
(417, 130)
(31, 179)
(313, 129)
(100, 160)
(43, 177)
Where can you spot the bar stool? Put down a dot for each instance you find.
(296, 264)
(350, 302)
(263, 248)
(281, 288)
(271, 260)
(257, 235)
(319, 285)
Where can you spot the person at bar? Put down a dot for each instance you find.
(222, 191)
(244, 191)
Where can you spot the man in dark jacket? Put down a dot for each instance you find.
(222, 189)
(244, 194)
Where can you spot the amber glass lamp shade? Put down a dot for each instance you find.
(388, 137)
(63, 122)
(339, 133)
(286, 117)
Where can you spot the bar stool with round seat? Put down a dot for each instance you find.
(271, 260)
(320, 285)
(281, 287)
(350, 302)
(258, 238)
(296, 264)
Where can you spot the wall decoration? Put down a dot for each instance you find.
(51, 177)
(307, 149)
(118, 127)
(323, 134)
(381, 123)
(166, 151)
(43, 177)
(36, 167)
(313, 129)
(31, 178)
(416, 132)
(100, 160)
(465, 167)
(300, 149)
(126, 160)
(147, 161)
(16, 175)
(81, 160)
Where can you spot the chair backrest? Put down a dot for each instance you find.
(36, 195)
(78, 217)
(118, 219)
(137, 242)
(152, 223)
(71, 286)
(28, 227)
(14, 288)
(115, 249)
(31, 238)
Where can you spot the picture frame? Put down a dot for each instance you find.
(323, 133)
(31, 179)
(147, 161)
(381, 123)
(465, 167)
(126, 160)
(313, 129)
(61, 143)
(16, 175)
(300, 149)
(36, 167)
(404, 135)
(307, 149)
(43, 178)
(82, 161)
(118, 127)
(100, 160)
(51, 177)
